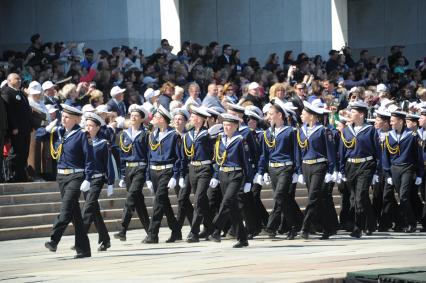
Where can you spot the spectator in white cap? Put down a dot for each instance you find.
(253, 95)
(50, 93)
(116, 103)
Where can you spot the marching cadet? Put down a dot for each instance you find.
(72, 147)
(233, 172)
(422, 135)
(403, 161)
(316, 164)
(134, 163)
(198, 148)
(104, 172)
(166, 166)
(358, 152)
(185, 208)
(278, 158)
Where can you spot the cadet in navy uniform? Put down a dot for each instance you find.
(198, 148)
(73, 149)
(359, 149)
(165, 163)
(278, 158)
(234, 173)
(104, 172)
(403, 161)
(317, 164)
(134, 163)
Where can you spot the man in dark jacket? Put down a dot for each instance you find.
(19, 124)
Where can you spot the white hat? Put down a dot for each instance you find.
(71, 110)
(412, 116)
(157, 92)
(88, 108)
(47, 85)
(253, 85)
(312, 109)
(236, 108)
(255, 109)
(149, 93)
(140, 109)
(102, 109)
(164, 112)
(354, 89)
(51, 108)
(34, 88)
(265, 108)
(358, 105)
(382, 113)
(278, 102)
(215, 129)
(381, 88)
(116, 90)
(252, 114)
(230, 118)
(181, 111)
(94, 117)
(200, 111)
(318, 103)
(213, 111)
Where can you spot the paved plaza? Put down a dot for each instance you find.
(265, 260)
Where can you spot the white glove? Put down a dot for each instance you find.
(340, 178)
(120, 122)
(389, 181)
(110, 190)
(247, 187)
(150, 186)
(213, 183)
(300, 179)
(294, 178)
(418, 181)
(85, 186)
(51, 125)
(182, 183)
(122, 184)
(266, 179)
(375, 179)
(258, 179)
(172, 183)
(327, 178)
(334, 178)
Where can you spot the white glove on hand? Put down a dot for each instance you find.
(258, 179)
(266, 179)
(150, 186)
(300, 179)
(334, 177)
(120, 122)
(418, 181)
(375, 179)
(327, 178)
(182, 183)
(340, 178)
(85, 186)
(110, 190)
(172, 183)
(389, 181)
(247, 187)
(51, 125)
(122, 184)
(214, 182)
(294, 178)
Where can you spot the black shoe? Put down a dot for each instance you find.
(150, 240)
(398, 229)
(383, 229)
(104, 246)
(325, 236)
(175, 236)
(72, 248)
(82, 255)
(241, 244)
(410, 229)
(51, 245)
(356, 234)
(291, 234)
(270, 233)
(203, 234)
(215, 237)
(305, 235)
(120, 235)
(192, 238)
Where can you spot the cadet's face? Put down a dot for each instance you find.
(252, 124)
(411, 124)
(92, 128)
(378, 123)
(356, 116)
(422, 121)
(229, 128)
(396, 123)
(135, 118)
(68, 120)
(306, 116)
(179, 121)
(274, 116)
(197, 120)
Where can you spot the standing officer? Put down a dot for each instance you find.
(72, 147)
(403, 161)
(359, 150)
(233, 170)
(134, 163)
(165, 163)
(19, 115)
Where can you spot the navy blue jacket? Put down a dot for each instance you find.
(133, 150)
(103, 159)
(198, 147)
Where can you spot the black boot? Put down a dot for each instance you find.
(241, 244)
(192, 238)
(150, 240)
(120, 235)
(215, 236)
(51, 245)
(175, 236)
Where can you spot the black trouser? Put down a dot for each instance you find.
(377, 201)
(215, 199)
(160, 179)
(347, 215)
(416, 202)
(199, 178)
(69, 186)
(314, 177)
(284, 201)
(247, 208)
(2, 135)
(330, 209)
(21, 148)
(404, 176)
(91, 210)
(135, 179)
(260, 209)
(185, 208)
(359, 177)
(231, 184)
(390, 210)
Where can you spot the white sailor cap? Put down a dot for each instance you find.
(253, 115)
(95, 118)
(200, 111)
(215, 129)
(164, 112)
(236, 108)
(230, 118)
(87, 108)
(138, 108)
(381, 88)
(255, 109)
(358, 105)
(399, 114)
(71, 110)
(342, 119)
(51, 108)
(423, 111)
(213, 112)
(312, 109)
(278, 102)
(382, 114)
(318, 103)
(412, 117)
(266, 107)
(181, 111)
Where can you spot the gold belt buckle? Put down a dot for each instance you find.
(311, 161)
(67, 171)
(226, 169)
